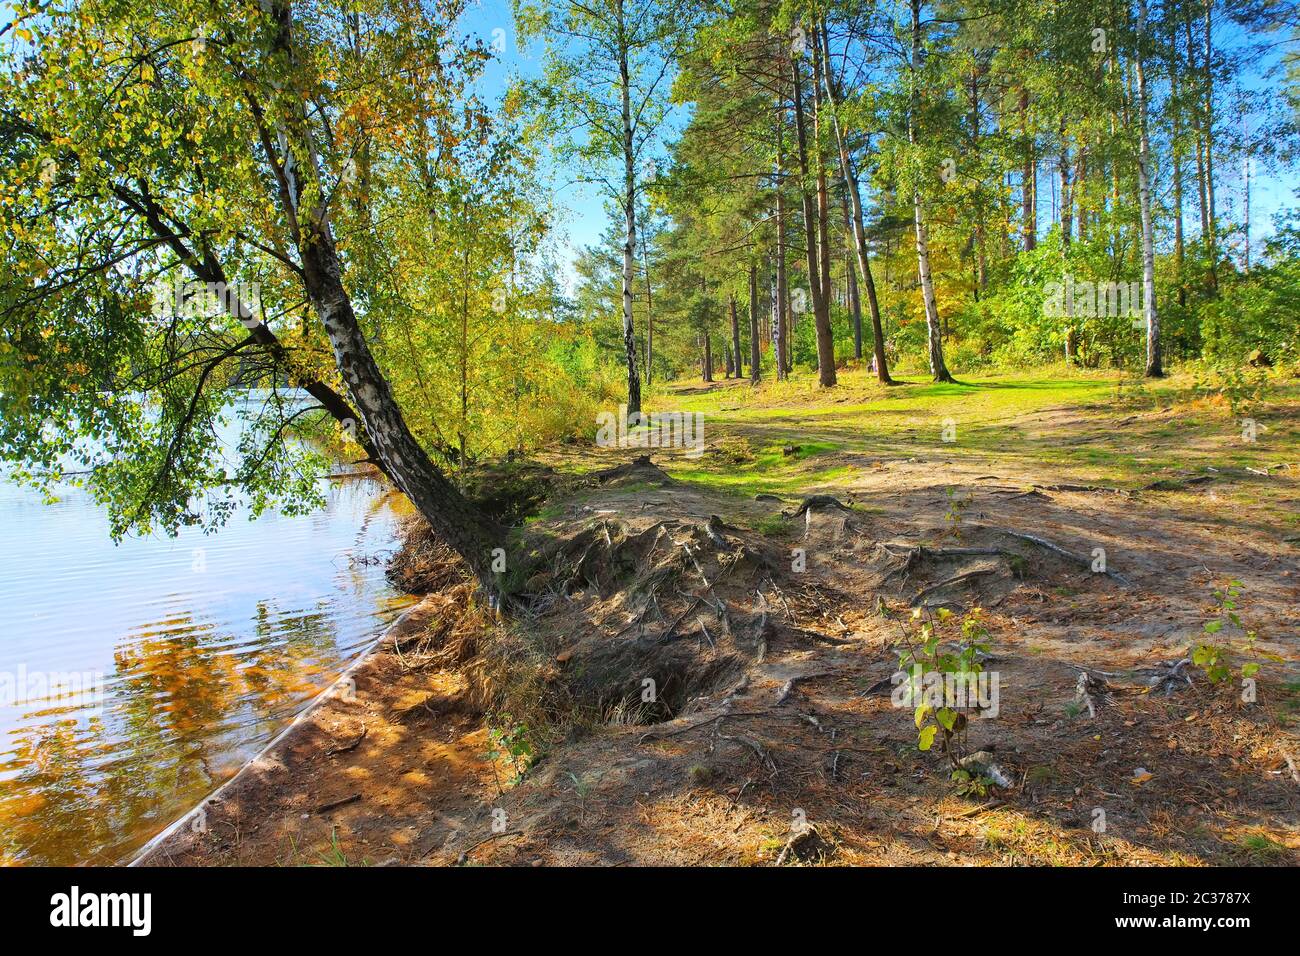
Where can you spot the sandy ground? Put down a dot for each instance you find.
(776, 739)
(383, 773)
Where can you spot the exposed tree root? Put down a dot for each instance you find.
(1063, 552)
(956, 579)
(817, 501)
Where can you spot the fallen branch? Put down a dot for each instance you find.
(335, 804)
(658, 734)
(1082, 488)
(977, 810)
(332, 751)
(764, 758)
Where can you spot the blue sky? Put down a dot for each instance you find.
(585, 215)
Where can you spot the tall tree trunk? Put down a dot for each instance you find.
(774, 316)
(823, 194)
(821, 313)
(1176, 147)
(708, 358)
(1197, 128)
(1211, 237)
(453, 518)
(649, 313)
(461, 525)
(754, 356)
(1245, 185)
(851, 277)
(934, 330)
(1028, 178)
(1067, 191)
(781, 304)
(735, 334)
(1081, 177)
(1153, 369)
(629, 215)
(1203, 204)
(464, 344)
(859, 232)
(981, 259)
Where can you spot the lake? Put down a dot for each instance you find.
(135, 678)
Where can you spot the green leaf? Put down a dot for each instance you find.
(926, 739)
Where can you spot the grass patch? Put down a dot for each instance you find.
(770, 470)
(1093, 426)
(1263, 848)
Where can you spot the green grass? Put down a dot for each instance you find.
(771, 471)
(1262, 848)
(774, 526)
(1080, 424)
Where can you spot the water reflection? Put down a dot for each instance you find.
(206, 647)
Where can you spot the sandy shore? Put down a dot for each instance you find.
(383, 769)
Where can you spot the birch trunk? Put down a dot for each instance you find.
(1153, 369)
(629, 212)
(934, 330)
(460, 524)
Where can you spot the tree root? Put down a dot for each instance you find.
(1057, 549)
(350, 745)
(957, 579)
(816, 501)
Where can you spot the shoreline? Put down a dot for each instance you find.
(273, 801)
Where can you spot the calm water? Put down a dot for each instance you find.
(134, 678)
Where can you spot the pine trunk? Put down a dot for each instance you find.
(754, 356)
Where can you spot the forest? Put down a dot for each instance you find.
(846, 411)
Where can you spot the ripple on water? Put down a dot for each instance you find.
(134, 678)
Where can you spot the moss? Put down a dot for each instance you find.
(773, 526)
(699, 775)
